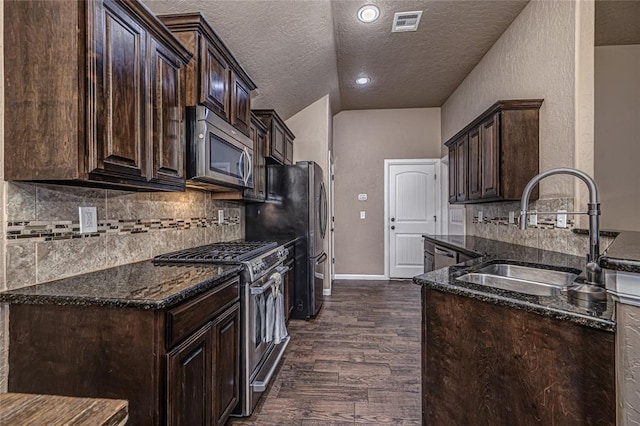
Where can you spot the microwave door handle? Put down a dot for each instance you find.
(242, 167)
(248, 167)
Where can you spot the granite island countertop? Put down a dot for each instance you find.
(140, 285)
(598, 315)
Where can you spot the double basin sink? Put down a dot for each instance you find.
(522, 279)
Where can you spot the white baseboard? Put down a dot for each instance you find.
(326, 291)
(360, 277)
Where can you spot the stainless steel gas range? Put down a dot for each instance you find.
(260, 277)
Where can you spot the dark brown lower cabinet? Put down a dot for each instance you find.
(226, 333)
(202, 387)
(176, 366)
(189, 386)
(289, 280)
(484, 364)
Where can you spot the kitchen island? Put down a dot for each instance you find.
(493, 356)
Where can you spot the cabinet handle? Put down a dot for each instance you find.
(444, 253)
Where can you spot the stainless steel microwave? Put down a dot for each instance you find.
(219, 156)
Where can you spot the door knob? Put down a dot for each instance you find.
(393, 227)
(393, 219)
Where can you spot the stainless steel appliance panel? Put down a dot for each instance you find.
(217, 154)
(444, 257)
(296, 206)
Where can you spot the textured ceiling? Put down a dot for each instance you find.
(299, 50)
(617, 22)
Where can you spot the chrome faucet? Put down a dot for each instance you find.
(593, 290)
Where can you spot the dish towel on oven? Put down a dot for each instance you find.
(274, 326)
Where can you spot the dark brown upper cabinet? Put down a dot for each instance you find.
(279, 148)
(494, 157)
(102, 105)
(214, 78)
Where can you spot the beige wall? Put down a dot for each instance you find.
(312, 131)
(312, 128)
(363, 139)
(617, 130)
(534, 58)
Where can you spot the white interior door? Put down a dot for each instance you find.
(412, 211)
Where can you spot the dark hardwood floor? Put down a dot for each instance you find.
(357, 362)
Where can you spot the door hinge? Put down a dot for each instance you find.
(435, 176)
(435, 218)
(333, 260)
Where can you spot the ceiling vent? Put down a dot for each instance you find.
(406, 21)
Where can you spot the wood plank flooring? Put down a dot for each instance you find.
(357, 362)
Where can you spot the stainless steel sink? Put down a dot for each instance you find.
(521, 279)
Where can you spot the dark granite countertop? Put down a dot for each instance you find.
(141, 285)
(598, 315)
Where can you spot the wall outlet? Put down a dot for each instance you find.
(220, 216)
(512, 217)
(480, 216)
(363, 214)
(533, 219)
(88, 219)
(561, 219)
(362, 197)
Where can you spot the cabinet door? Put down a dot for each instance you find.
(276, 145)
(289, 286)
(226, 331)
(189, 384)
(240, 105)
(214, 80)
(116, 128)
(490, 147)
(461, 169)
(167, 114)
(260, 177)
(452, 173)
(288, 150)
(475, 169)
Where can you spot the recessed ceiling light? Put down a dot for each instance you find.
(368, 13)
(361, 81)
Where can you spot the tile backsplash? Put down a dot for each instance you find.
(545, 235)
(43, 240)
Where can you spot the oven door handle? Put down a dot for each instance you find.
(283, 269)
(266, 286)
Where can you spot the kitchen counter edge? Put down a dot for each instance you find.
(20, 296)
(444, 280)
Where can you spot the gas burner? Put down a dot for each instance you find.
(227, 252)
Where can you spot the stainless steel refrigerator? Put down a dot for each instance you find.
(296, 206)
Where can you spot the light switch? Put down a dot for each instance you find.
(512, 217)
(533, 219)
(362, 197)
(480, 216)
(362, 214)
(221, 216)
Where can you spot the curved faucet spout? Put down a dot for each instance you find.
(593, 210)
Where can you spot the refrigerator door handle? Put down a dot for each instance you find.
(323, 210)
(321, 258)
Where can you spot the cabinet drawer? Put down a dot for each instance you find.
(191, 315)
